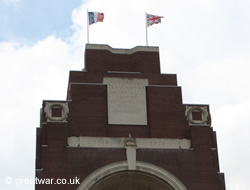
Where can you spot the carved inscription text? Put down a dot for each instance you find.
(126, 101)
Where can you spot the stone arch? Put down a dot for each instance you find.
(143, 171)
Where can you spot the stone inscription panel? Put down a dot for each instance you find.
(126, 101)
(142, 143)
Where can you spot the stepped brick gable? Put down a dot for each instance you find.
(123, 126)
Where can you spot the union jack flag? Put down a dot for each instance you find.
(153, 19)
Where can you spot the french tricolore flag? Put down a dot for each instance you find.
(95, 17)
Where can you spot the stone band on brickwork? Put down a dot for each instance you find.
(141, 143)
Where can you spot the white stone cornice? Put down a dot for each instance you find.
(122, 51)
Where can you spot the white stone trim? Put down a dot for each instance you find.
(130, 145)
(204, 114)
(48, 111)
(131, 157)
(121, 166)
(141, 143)
(123, 72)
(122, 51)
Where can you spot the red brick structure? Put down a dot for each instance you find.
(124, 127)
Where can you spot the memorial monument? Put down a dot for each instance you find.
(124, 126)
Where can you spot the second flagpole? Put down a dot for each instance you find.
(146, 29)
(87, 26)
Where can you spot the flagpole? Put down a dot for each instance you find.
(87, 25)
(146, 29)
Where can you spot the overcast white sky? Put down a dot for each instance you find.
(206, 42)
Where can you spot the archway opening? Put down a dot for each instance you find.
(131, 180)
(116, 176)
